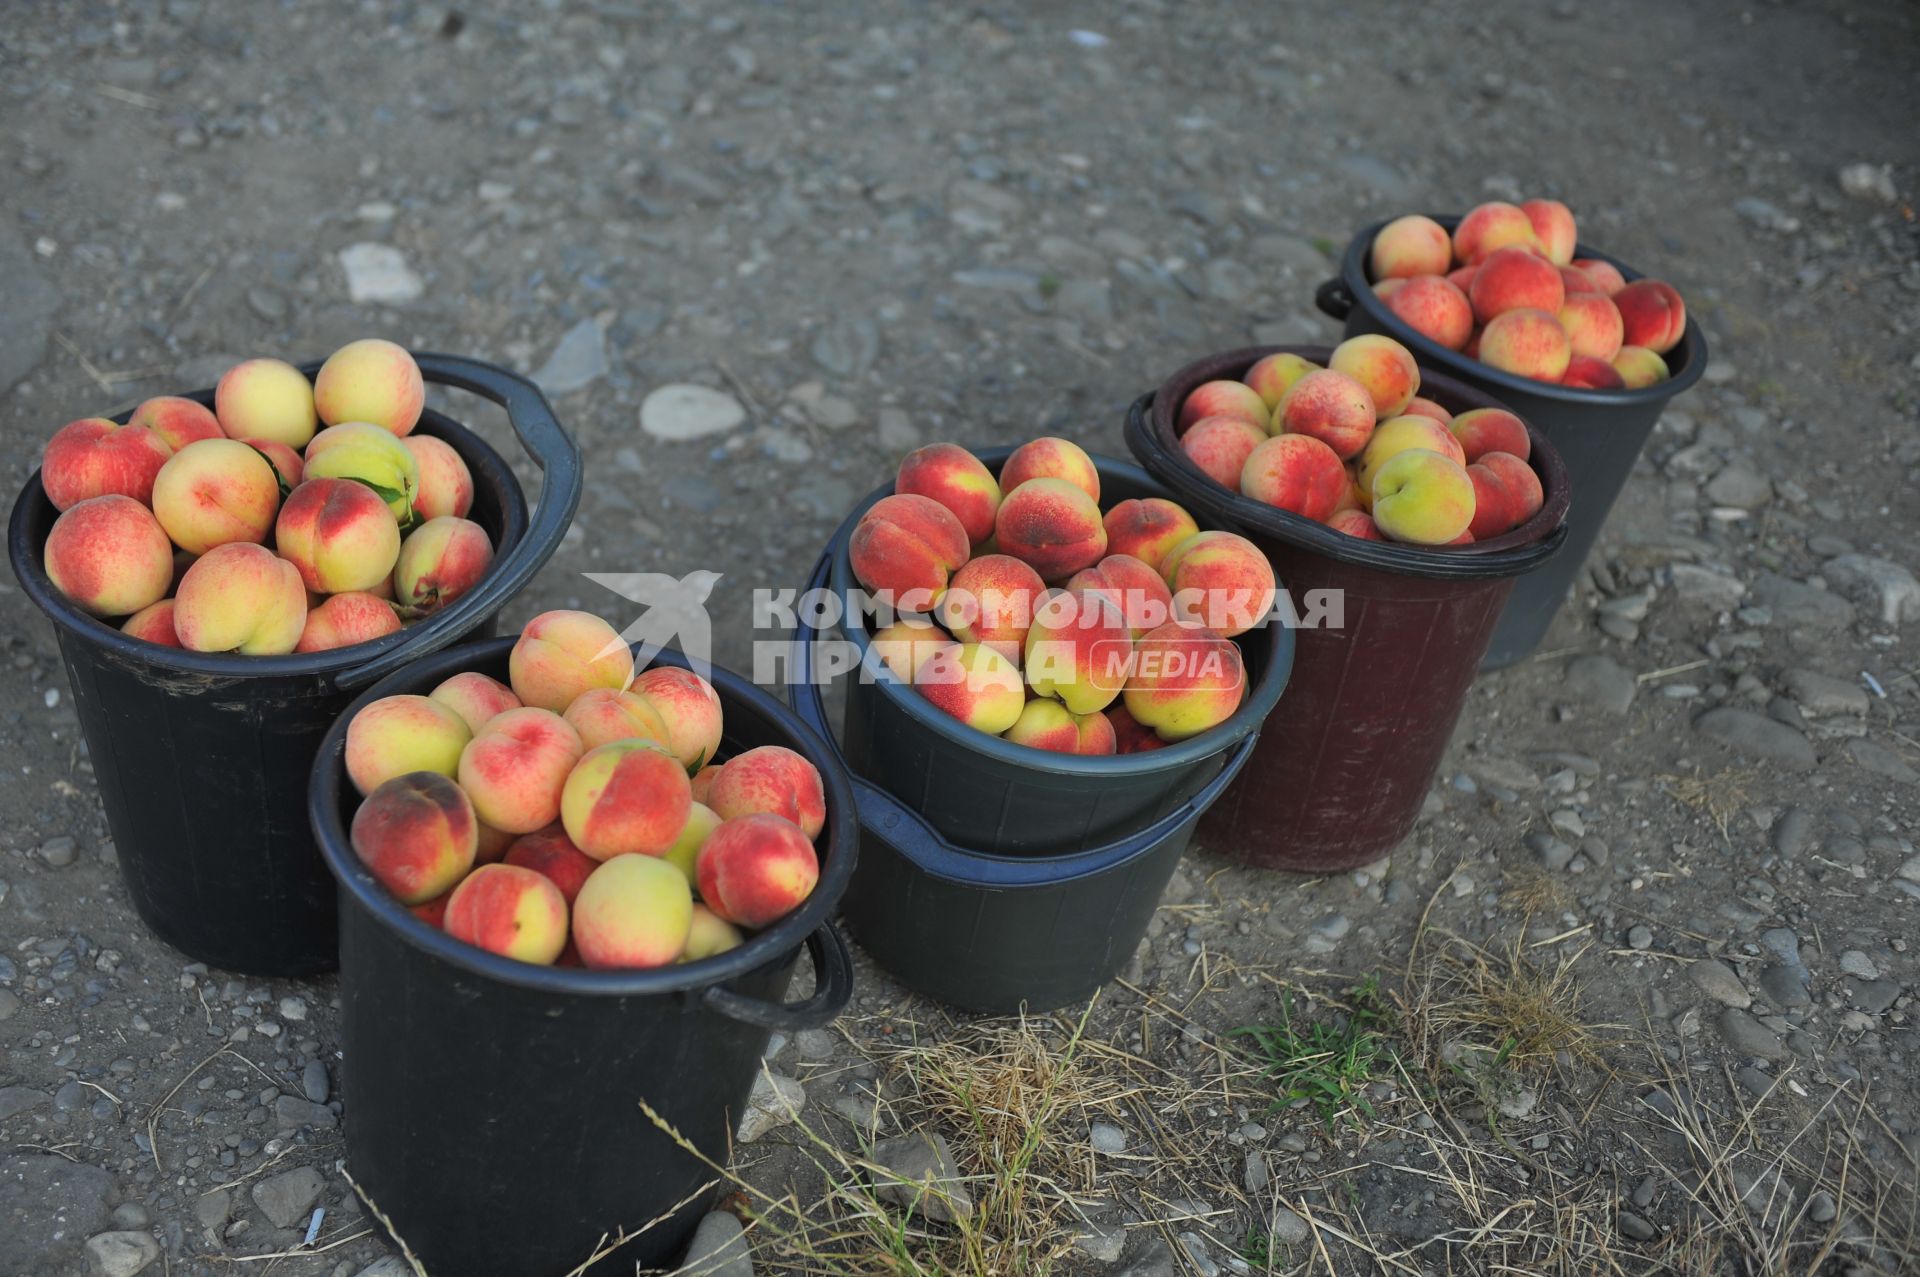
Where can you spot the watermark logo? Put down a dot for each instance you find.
(676, 614)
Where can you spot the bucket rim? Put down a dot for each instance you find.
(1277, 640)
(777, 943)
(1150, 436)
(531, 541)
(1359, 292)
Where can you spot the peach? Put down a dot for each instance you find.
(241, 598)
(771, 778)
(1078, 651)
(399, 734)
(1421, 406)
(1273, 376)
(709, 935)
(266, 399)
(551, 854)
(703, 779)
(516, 767)
(1145, 528)
(1051, 458)
(1435, 309)
(756, 869)
(1528, 342)
(689, 707)
(1218, 446)
(954, 477)
(629, 797)
(93, 457)
(338, 534)
(1462, 277)
(363, 451)
(1386, 288)
(904, 644)
(906, 547)
(1398, 434)
(178, 421)
(1651, 315)
(1409, 246)
(1488, 228)
(439, 561)
(1639, 367)
(1422, 497)
(1484, 430)
(1129, 737)
(1384, 367)
(432, 912)
(1096, 733)
(1587, 373)
(511, 911)
(288, 468)
(1356, 523)
(684, 854)
(109, 556)
(476, 698)
(1048, 725)
(1297, 473)
(1553, 227)
(564, 653)
(153, 623)
(1225, 399)
(342, 620)
(373, 381)
(1052, 526)
(1593, 326)
(1605, 275)
(214, 492)
(603, 715)
(970, 681)
(1521, 482)
(494, 844)
(1130, 584)
(1575, 280)
(990, 600)
(1494, 506)
(446, 485)
(1515, 279)
(1186, 679)
(1222, 580)
(417, 836)
(1330, 406)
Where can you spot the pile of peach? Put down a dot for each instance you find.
(249, 528)
(1506, 289)
(1026, 613)
(571, 815)
(1355, 446)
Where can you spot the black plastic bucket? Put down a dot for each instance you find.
(203, 758)
(991, 795)
(1340, 773)
(493, 1107)
(1598, 433)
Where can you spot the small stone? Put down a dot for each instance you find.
(313, 1082)
(131, 1215)
(1793, 832)
(1257, 1174)
(1717, 980)
(816, 1044)
(379, 273)
(1854, 962)
(121, 1254)
(288, 1198)
(1879, 584)
(847, 346)
(1783, 944)
(719, 1249)
(1820, 695)
(1872, 996)
(1882, 761)
(686, 411)
(1821, 1208)
(1155, 1261)
(1518, 1104)
(1747, 1036)
(1284, 1225)
(1872, 182)
(774, 1101)
(1554, 854)
(932, 1186)
(212, 1211)
(1757, 736)
(1103, 1243)
(1694, 584)
(1633, 1228)
(15, 1100)
(1602, 682)
(292, 1112)
(1639, 937)
(59, 852)
(1740, 486)
(1784, 985)
(1910, 871)
(578, 360)
(1107, 1138)
(266, 303)
(1800, 606)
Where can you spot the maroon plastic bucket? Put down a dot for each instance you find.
(1345, 760)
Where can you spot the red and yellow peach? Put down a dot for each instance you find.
(1384, 367)
(399, 734)
(1422, 497)
(603, 715)
(1053, 526)
(342, 620)
(516, 767)
(904, 644)
(1219, 446)
(1639, 367)
(1553, 229)
(266, 399)
(970, 681)
(1332, 407)
(954, 477)
(373, 381)
(1528, 342)
(214, 492)
(1225, 399)
(1651, 315)
(1221, 580)
(709, 935)
(511, 911)
(1145, 528)
(1409, 246)
(338, 534)
(417, 836)
(363, 451)
(1185, 680)
(240, 597)
(176, 420)
(771, 778)
(93, 457)
(629, 797)
(563, 653)
(1079, 651)
(689, 707)
(153, 624)
(754, 870)
(550, 853)
(907, 547)
(1435, 309)
(1515, 279)
(991, 600)
(109, 556)
(1488, 228)
(1593, 325)
(446, 485)
(1272, 376)
(1130, 584)
(476, 698)
(440, 560)
(1296, 472)
(1483, 430)
(1049, 457)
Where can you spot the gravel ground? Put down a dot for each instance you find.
(900, 224)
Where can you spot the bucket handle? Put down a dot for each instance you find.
(832, 988)
(553, 450)
(1333, 299)
(887, 816)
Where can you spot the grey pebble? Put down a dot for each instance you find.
(1633, 1228)
(313, 1082)
(59, 852)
